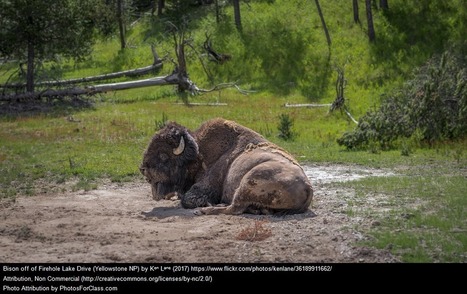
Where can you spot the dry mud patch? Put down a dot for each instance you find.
(121, 223)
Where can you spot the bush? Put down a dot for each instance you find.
(434, 103)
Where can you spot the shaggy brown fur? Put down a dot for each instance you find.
(225, 168)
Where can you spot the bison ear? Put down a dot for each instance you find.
(187, 147)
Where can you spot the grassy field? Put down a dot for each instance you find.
(106, 139)
(424, 219)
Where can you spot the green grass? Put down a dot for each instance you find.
(420, 213)
(108, 140)
(285, 60)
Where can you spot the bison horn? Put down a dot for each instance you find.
(180, 148)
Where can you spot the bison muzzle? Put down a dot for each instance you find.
(224, 167)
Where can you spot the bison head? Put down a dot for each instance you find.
(167, 160)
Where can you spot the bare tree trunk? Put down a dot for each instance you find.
(369, 16)
(356, 18)
(238, 18)
(374, 5)
(217, 12)
(153, 7)
(328, 38)
(160, 7)
(384, 4)
(182, 72)
(30, 69)
(121, 24)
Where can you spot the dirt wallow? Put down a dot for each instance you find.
(121, 223)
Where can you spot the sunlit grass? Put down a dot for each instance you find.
(108, 140)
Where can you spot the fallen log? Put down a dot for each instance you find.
(114, 75)
(202, 104)
(91, 90)
(321, 105)
(307, 105)
(126, 73)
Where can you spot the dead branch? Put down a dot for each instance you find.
(350, 116)
(307, 105)
(208, 73)
(214, 56)
(202, 104)
(180, 73)
(225, 86)
(157, 59)
(339, 102)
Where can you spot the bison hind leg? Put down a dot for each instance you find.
(229, 209)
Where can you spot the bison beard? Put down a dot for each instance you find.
(224, 167)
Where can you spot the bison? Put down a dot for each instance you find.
(224, 167)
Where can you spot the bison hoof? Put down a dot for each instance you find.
(198, 212)
(172, 196)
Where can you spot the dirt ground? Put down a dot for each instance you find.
(121, 223)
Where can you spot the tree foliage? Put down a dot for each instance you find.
(432, 105)
(32, 30)
(63, 27)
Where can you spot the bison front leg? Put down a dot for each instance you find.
(197, 197)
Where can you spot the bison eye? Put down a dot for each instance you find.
(163, 157)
